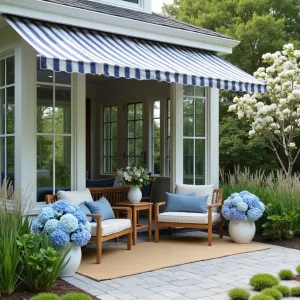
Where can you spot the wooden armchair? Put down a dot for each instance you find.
(204, 221)
(102, 231)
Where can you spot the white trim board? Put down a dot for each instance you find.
(93, 20)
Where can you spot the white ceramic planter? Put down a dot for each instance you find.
(75, 258)
(134, 194)
(242, 232)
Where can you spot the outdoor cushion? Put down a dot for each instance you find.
(85, 210)
(111, 226)
(101, 207)
(186, 203)
(146, 189)
(100, 183)
(185, 217)
(75, 197)
(199, 190)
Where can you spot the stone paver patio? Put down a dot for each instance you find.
(209, 279)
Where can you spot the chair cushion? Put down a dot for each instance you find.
(101, 207)
(199, 190)
(185, 217)
(186, 203)
(75, 197)
(100, 183)
(85, 210)
(111, 226)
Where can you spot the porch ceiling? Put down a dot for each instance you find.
(73, 49)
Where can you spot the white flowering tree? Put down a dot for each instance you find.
(275, 116)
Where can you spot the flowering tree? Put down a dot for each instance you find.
(275, 116)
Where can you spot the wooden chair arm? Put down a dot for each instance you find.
(97, 217)
(129, 212)
(157, 205)
(98, 224)
(215, 205)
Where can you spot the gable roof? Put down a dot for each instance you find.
(153, 18)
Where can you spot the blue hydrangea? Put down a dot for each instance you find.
(254, 214)
(262, 206)
(242, 206)
(59, 238)
(236, 200)
(68, 223)
(85, 226)
(46, 214)
(80, 216)
(234, 195)
(37, 226)
(81, 238)
(62, 206)
(226, 211)
(51, 225)
(237, 215)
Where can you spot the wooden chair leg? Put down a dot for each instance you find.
(99, 251)
(129, 240)
(209, 235)
(221, 230)
(170, 231)
(156, 232)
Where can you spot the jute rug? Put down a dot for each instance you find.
(149, 256)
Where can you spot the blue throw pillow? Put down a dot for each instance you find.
(101, 207)
(85, 210)
(186, 203)
(100, 183)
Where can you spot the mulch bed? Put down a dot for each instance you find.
(60, 288)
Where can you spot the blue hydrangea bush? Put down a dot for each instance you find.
(243, 206)
(64, 223)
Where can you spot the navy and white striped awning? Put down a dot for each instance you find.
(73, 49)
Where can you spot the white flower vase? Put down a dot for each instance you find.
(134, 194)
(71, 267)
(241, 231)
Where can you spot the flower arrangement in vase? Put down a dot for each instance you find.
(135, 177)
(65, 224)
(242, 209)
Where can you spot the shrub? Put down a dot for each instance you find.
(284, 290)
(263, 281)
(262, 297)
(45, 296)
(295, 291)
(298, 269)
(239, 294)
(41, 263)
(273, 293)
(286, 275)
(13, 223)
(75, 296)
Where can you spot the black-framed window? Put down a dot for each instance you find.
(156, 137)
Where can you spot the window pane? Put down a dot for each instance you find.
(44, 109)
(63, 77)
(10, 154)
(131, 115)
(188, 107)
(114, 113)
(188, 90)
(2, 72)
(107, 148)
(139, 111)
(43, 75)
(44, 167)
(199, 91)
(114, 127)
(10, 70)
(156, 146)
(107, 164)
(138, 129)
(156, 162)
(138, 161)
(114, 164)
(131, 147)
(107, 114)
(10, 112)
(188, 126)
(138, 147)
(131, 129)
(200, 162)
(156, 109)
(200, 117)
(131, 161)
(63, 110)
(2, 111)
(2, 158)
(169, 127)
(156, 127)
(63, 162)
(188, 161)
(114, 148)
(107, 131)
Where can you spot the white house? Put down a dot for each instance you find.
(96, 85)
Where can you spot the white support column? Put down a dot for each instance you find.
(25, 119)
(79, 131)
(176, 171)
(213, 137)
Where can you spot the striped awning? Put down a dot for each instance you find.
(74, 49)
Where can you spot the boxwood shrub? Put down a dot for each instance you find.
(262, 297)
(262, 281)
(238, 294)
(75, 296)
(273, 293)
(295, 291)
(286, 275)
(298, 269)
(284, 290)
(45, 296)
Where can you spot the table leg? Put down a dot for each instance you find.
(150, 223)
(134, 225)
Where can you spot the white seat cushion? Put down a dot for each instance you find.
(75, 197)
(199, 190)
(185, 217)
(111, 226)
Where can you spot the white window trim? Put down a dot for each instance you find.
(142, 5)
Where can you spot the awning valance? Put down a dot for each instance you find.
(74, 49)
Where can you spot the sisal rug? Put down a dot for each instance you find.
(149, 256)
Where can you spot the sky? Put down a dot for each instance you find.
(157, 4)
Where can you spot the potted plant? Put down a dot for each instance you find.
(66, 225)
(242, 209)
(135, 177)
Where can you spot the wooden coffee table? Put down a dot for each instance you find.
(135, 208)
